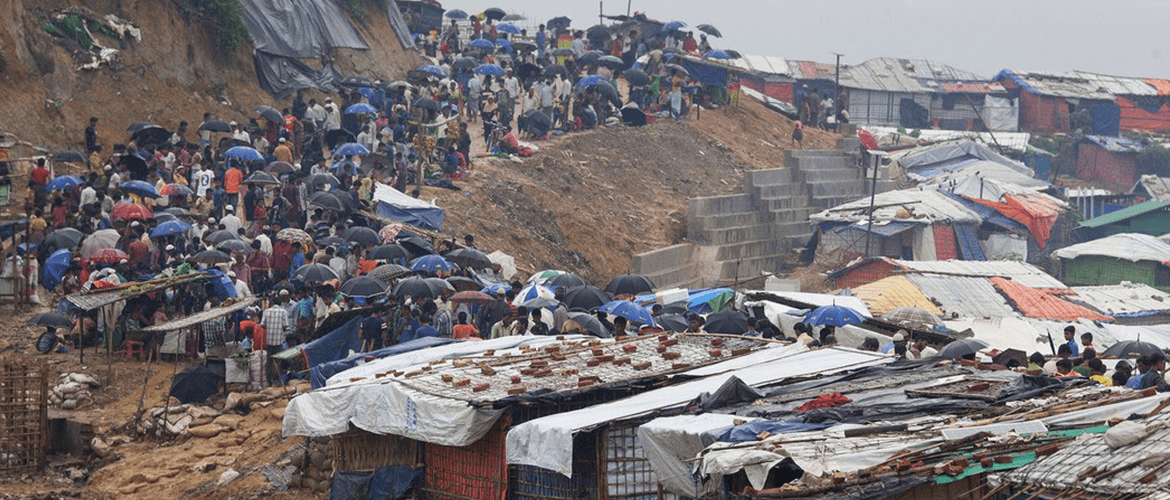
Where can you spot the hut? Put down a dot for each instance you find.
(1151, 217)
(1111, 160)
(1132, 257)
(919, 94)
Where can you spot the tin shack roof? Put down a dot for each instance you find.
(904, 75)
(1157, 188)
(1126, 300)
(93, 300)
(1082, 84)
(765, 65)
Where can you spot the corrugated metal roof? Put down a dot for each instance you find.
(964, 296)
(1078, 84)
(1157, 188)
(768, 65)
(1161, 86)
(890, 293)
(1035, 303)
(1116, 144)
(1020, 272)
(1133, 247)
(921, 205)
(1126, 299)
(91, 301)
(1127, 213)
(812, 70)
(973, 87)
(903, 75)
(1015, 141)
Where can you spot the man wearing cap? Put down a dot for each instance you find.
(230, 222)
(332, 115)
(282, 152)
(240, 134)
(242, 290)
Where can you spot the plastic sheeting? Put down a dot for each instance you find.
(385, 483)
(1133, 247)
(393, 204)
(321, 372)
(707, 74)
(1036, 211)
(1005, 246)
(928, 157)
(670, 443)
(401, 30)
(299, 28)
(923, 205)
(1001, 114)
(280, 76)
(336, 344)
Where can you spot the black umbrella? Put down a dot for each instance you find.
(215, 126)
(464, 63)
(566, 281)
(494, 13)
(558, 22)
(585, 297)
(680, 69)
(356, 81)
(388, 272)
(326, 200)
(413, 287)
(673, 322)
(136, 126)
(233, 246)
(226, 143)
(279, 168)
(164, 217)
(68, 156)
(314, 273)
(262, 179)
(195, 385)
(555, 69)
(590, 323)
(729, 321)
(612, 62)
(363, 286)
(269, 113)
(1129, 348)
(65, 237)
(606, 90)
(439, 285)
(633, 116)
(331, 241)
(427, 104)
(636, 77)
(338, 136)
(590, 57)
(211, 257)
(51, 320)
(178, 212)
(220, 236)
(598, 31)
(362, 235)
(563, 52)
(151, 134)
(318, 181)
(136, 165)
(629, 284)
(961, 348)
(388, 252)
(463, 283)
(710, 30)
(416, 245)
(469, 258)
(536, 117)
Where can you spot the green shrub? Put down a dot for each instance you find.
(227, 19)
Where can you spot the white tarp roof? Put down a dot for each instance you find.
(1123, 299)
(397, 198)
(671, 442)
(964, 180)
(923, 204)
(1015, 141)
(548, 442)
(768, 65)
(817, 299)
(1126, 246)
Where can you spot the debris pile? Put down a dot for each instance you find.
(73, 391)
(315, 464)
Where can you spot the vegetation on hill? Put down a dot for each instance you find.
(227, 17)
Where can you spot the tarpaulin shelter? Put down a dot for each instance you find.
(1043, 304)
(1036, 211)
(393, 204)
(1133, 257)
(320, 372)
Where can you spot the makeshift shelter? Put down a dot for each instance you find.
(904, 92)
(1129, 303)
(1014, 144)
(1152, 187)
(395, 205)
(1151, 217)
(812, 76)
(1049, 99)
(1111, 160)
(870, 270)
(768, 75)
(1136, 258)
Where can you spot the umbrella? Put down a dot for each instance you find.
(464, 63)
(351, 149)
(469, 258)
(335, 241)
(243, 153)
(542, 276)
(215, 126)
(673, 322)
(399, 84)
(561, 21)
(211, 257)
(427, 104)
(555, 69)
(588, 323)
(109, 255)
(628, 310)
(356, 81)
(1008, 355)
(636, 77)
(710, 30)
(363, 286)
(387, 272)
(673, 26)
(294, 235)
(101, 239)
(151, 134)
(126, 211)
(136, 126)
(489, 69)
(68, 156)
(629, 284)
(431, 69)
(494, 13)
(416, 245)
(279, 167)
(178, 212)
(439, 285)
(413, 287)
(713, 300)
(961, 348)
(912, 316)
(361, 235)
(269, 113)
(533, 296)
(585, 297)
(598, 31)
(590, 80)
(514, 17)
(1127, 348)
(473, 297)
(314, 273)
(141, 188)
(220, 236)
(64, 183)
(608, 91)
(173, 189)
(338, 136)
(360, 107)
(717, 54)
(262, 179)
(170, 227)
(463, 283)
(56, 265)
(51, 320)
(566, 280)
(455, 14)
(590, 57)
(233, 246)
(679, 69)
(563, 52)
(431, 264)
(510, 29)
(195, 385)
(482, 43)
(833, 315)
(66, 237)
(164, 217)
(388, 252)
(611, 61)
(327, 201)
(318, 180)
(729, 321)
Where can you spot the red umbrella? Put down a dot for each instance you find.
(175, 190)
(867, 139)
(109, 255)
(472, 296)
(132, 211)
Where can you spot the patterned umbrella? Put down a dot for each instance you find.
(535, 296)
(175, 190)
(109, 255)
(126, 211)
(912, 316)
(295, 235)
(98, 241)
(389, 231)
(387, 272)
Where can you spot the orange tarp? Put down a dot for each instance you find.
(1040, 304)
(1037, 212)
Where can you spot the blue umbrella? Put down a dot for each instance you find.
(64, 182)
(709, 301)
(431, 69)
(455, 14)
(360, 107)
(497, 288)
(431, 264)
(533, 296)
(54, 269)
(628, 310)
(590, 80)
(717, 54)
(833, 315)
(510, 29)
(503, 42)
(243, 153)
(141, 188)
(672, 26)
(351, 149)
(481, 43)
(489, 69)
(169, 227)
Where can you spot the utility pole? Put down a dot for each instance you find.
(837, 77)
(600, 12)
(629, 4)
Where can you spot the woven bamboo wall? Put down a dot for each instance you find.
(24, 389)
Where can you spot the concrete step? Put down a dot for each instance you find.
(817, 153)
(778, 190)
(748, 268)
(798, 214)
(718, 205)
(784, 203)
(675, 277)
(843, 188)
(789, 229)
(846, 173)
(729, 220)
(750, 249)
(826, 202)
(849, 143)
(769, 176)
(729, 235)
(663, 259)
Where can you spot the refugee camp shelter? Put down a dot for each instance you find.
(866, 271)
(919, 94)
(1011, 144)
(812, 76)
(1150, 217)
(1128, 303)
(1132, 257)
(1111, 160)
(1049, 99)
(421, 16)
(768, 75)
(1152, 187)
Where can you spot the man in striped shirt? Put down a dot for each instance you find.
(276, 323)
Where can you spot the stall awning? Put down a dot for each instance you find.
(95, 299)
(200, 317)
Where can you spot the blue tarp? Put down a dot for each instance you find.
(321, 372)
(968, 240)
(1106, 119)
(426, 218)
(385, 483)
(335, 344)
(221, 284)
(749, 431)
(707, 74)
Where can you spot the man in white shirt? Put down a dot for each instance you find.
(198, 230)
(88, 195)
(368, 139)
(242, 290)
(203, 179)
(115, 179)
(578, 45)
(230, 221)
(265, 242)
(332, 115)
(512, 85)
(239, 133)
